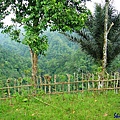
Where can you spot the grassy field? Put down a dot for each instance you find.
(80, 106)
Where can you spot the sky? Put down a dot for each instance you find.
(90, 5)
(115, 3)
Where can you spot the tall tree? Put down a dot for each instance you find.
(37, 15)
(92, 37)
(105, 37)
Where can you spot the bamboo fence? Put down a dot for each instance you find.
(55, 85)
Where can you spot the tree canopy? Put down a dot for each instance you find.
(36, 16)
(91, 37)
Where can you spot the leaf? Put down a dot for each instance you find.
(25, 100)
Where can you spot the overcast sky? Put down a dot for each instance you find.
(115, 3)
(90, 5)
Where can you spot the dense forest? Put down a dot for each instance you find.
(62, 56)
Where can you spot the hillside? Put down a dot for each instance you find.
(12, 65)
(61, 57)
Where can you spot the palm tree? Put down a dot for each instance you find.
(91, 38)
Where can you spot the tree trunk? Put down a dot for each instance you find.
(34, 61)
(104, 63)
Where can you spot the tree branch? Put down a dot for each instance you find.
(110, 27)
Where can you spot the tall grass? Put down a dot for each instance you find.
(80, 106)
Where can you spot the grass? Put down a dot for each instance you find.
(80, 106)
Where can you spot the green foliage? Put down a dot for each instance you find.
(65, 15)
(36, 16)
(62, 57)
(91, 38)
(12, 65)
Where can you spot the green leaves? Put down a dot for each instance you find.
(91, 37)
(13, 32)
(37, 15)
(38, 44)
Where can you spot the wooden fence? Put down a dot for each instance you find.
(61, 84)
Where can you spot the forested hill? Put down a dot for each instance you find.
(61, 57)
(12, 65)
(13, 46)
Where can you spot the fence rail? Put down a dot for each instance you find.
(52, 85)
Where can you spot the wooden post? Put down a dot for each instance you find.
(117, 78)
(107, 81)
(15, 86)
(114, 83)
(41, 86)
(19, 84)
(8, 81)
(89, 75)
(49, 87)
(77, 83)
(45, 86)
(48, 78)
(82, 82)
(55, 82)
(92, 81)
(68, 75)
(88, 85)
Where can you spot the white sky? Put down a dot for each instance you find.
(115, 3)
(90, 5)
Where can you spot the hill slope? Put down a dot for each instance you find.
(62, 56)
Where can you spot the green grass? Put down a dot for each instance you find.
(80, 106)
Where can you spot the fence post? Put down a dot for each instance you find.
(93, 81)
(41, 86)
(107, 81)
(117, 82)
(68, 75)
(114, 82)
(55, 82)
(8, 81)
(49, 87)
(15, 86)
(48, 78)
(82, 82)
(89, 75)
(77, 83)
(45, 86)
(19, 85)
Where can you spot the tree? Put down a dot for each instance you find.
(36, 15)
(91, 38)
